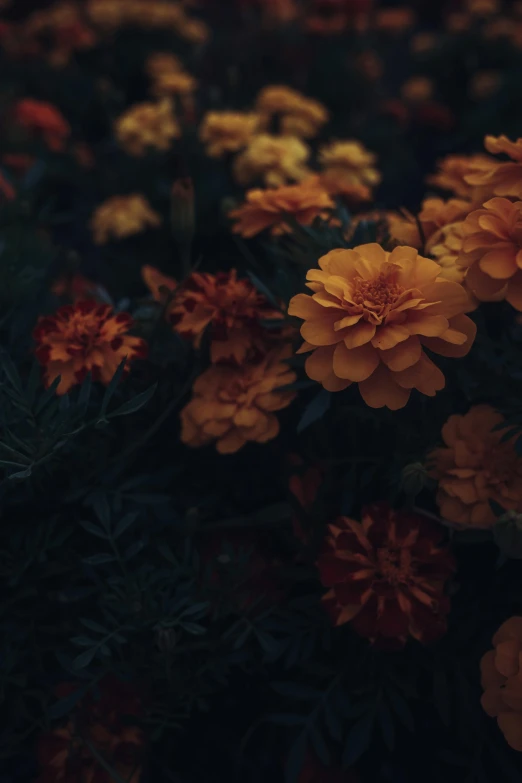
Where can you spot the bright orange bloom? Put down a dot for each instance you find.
(122, 216)
(232, 308)
(434, 215)
(298, 115)
(269, 208)
(65, 757)
(82, 338)
(227, 131)
(475, 467)
(348, 165)
(147, 125)
(499, 179)
(44, 120)
(234, 405)
(386, 575)
(492, 252)
(453, 172)
(370, 317)
(501, 678)
(275, 159)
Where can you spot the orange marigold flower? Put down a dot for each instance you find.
(501, 678)
(234, 405)
(44, 120)
(453, 172)
(232, 308)
(147, 125)
(386, 575)
(499, 179)
(298, 115)
(270, 208)
(474, 467)
(445, 246)
(370, 317)
(159, 285)
(64, 756)
(122, 216)
(492, 252)
(348, 165)
(227, 131)
(82, 338)
(275, 159)
(434, 215)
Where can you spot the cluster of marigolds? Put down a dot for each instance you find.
(377, 316)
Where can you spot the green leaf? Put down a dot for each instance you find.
(83, 641)
(85, 392)
(20, 475)
(263, 289)
(287, 719)
(296, 691)
(48, 395)
(295, 759)
(111, 388)
(92, 626)
(125, 522)
(84, 659)
(96, 531)
(315, 410)
(441, 695)
(99, 559)
(386, 724)
(131, 406)
(10, 371)
(64, 706)
(358, 740)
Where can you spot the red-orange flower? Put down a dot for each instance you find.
(234, 405)
(64, 754)
(82, 338)
(387, 575)
(474, 467)
(370, 317)
(45, 120)
(501, 677)
(231, 307)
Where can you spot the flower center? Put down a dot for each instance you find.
(376, 297)
(391, 565)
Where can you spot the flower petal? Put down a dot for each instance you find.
(356, 364)
(360, 334)
(380, 390)
(499, 264)
(403, 355)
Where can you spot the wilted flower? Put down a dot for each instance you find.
(501, 677)
(492, 251)
(370, 317)
(298, 115)
(234, 405)
(348, 165)
(275, 159)
(386, 575)
(147, 125)
(474, 467)
(44, 120)
(122, 216)
(223, 132)
(270, 208)
(82, 338)
(231, 307)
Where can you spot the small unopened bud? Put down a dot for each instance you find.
(182, 218)
(413, 478)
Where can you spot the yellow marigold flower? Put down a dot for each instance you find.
(161, 63)
(348, 165)
(475, 466)
(299, 115)
(499, 179)
(435, 213)
(492, 252)
(445, 246)
(227, 131)
(174, 83)
(274, 159)
(147, 125)
(234, 405)
(453, 171)
(370, 317)
(122, 216)
(82, 338)
(269, 208)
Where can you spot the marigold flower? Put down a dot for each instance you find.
(63, 29)
(235, 405)
(64, 755)
(158, 284)
(491, 251)
(45, 120)
(417, 89)
(227, 131)
(453, 172)
(232, 308)
(386, 575)
(501, 678)
(445, 246)
(147, 125)
(299, 115)
(348, 165)
(82, 338)
(370, 317)
(474, 467)
(270, 208)
(275, 159)
(499, 179)
(160, 63)
(174, 83)
(434, 215)
(394, 20)
(122, 216)
(7, 191)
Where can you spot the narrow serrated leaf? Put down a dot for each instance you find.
(133, 405)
